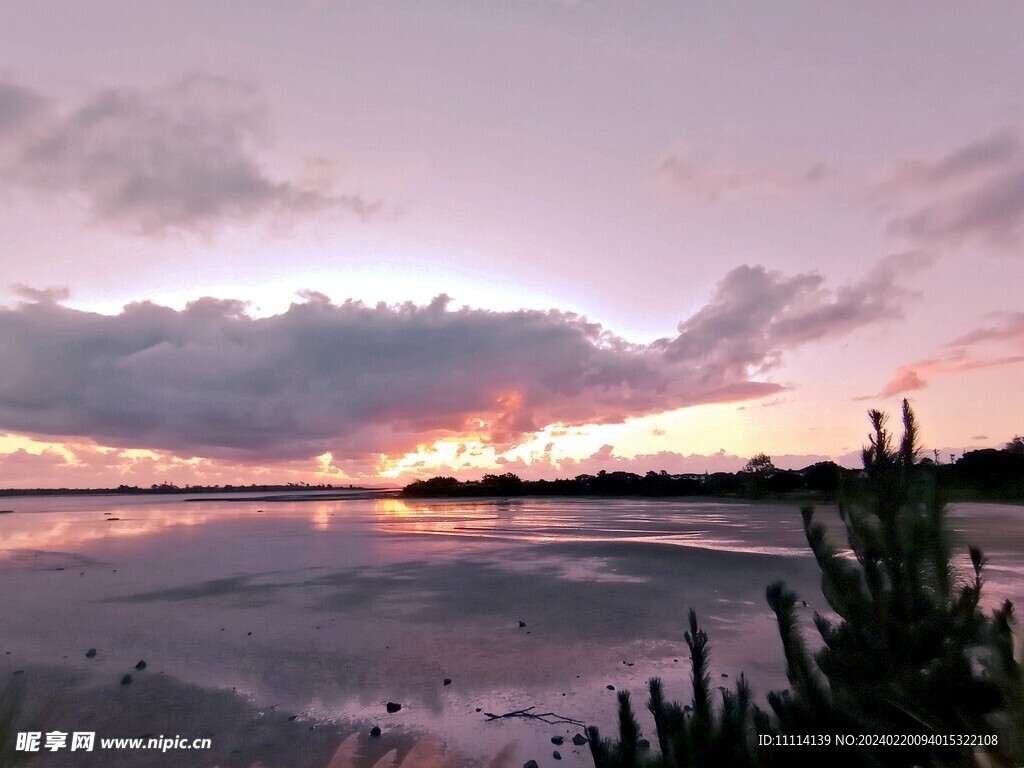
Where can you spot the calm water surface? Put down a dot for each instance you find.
(333, 607)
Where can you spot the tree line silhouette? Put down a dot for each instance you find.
(988, 474)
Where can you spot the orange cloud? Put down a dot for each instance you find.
(962, 355)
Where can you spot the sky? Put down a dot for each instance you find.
(365, 242)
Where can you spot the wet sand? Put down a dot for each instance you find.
(249, 613)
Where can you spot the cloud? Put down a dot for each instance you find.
(991, 346)
(212, 381)
(1009, 327)
(754, 315)
(180, 158)
(708, 183)
(907, 380)
(974, 193)
(50, 295)
(990, 153)
(83, 464)
(18, 106)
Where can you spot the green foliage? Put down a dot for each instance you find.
(898, 654)
(905, 649)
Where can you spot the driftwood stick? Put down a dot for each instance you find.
(545, 717)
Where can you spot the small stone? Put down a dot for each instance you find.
(375, 731)
(724, 674)
(579, 739)
(292, 718)
(392, 707)
(126, 680)
(141, 665)
(557, 740)
(91, 653)
(804, 602)
(447, 681)
(521, 625)
(610, 687)
(478, 709)
(557, 755)
(248, 633)
(530, 764)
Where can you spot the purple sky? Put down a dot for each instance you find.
(346, 240)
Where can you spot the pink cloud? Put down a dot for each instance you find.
(969, 352)
(906, 380)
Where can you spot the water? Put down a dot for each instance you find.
(330, 608)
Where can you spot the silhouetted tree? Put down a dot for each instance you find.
(756, 475)
(507, 484)
(897, 657)
(900, 655)
(696, 735)
(992, 473)
(823, 477)
(1008, 671)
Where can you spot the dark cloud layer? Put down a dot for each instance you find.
(212, 381)
(179, 158)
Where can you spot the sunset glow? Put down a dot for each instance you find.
(576, 238)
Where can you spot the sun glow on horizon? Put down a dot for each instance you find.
(700, 438)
